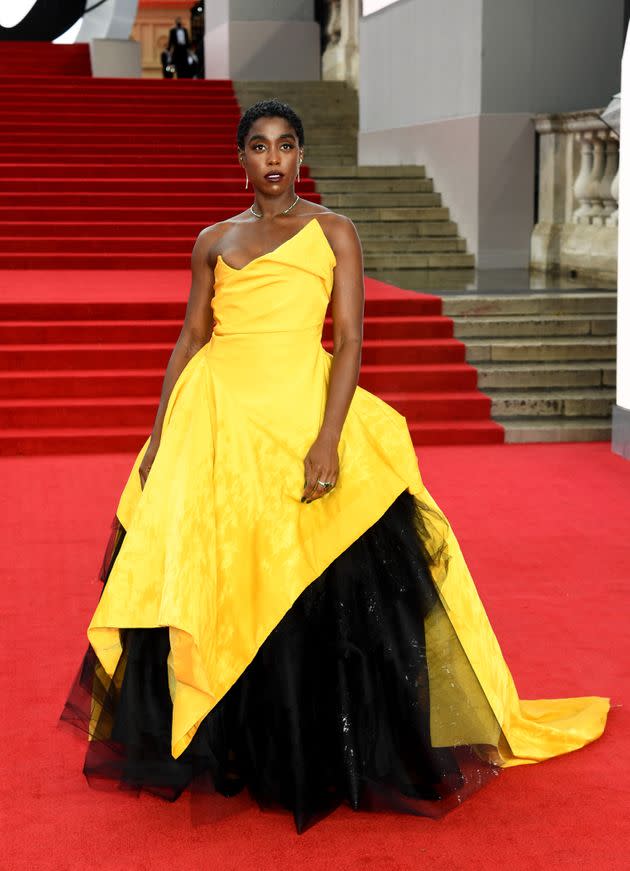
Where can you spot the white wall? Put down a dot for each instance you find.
(420, 61)
(216, 41)
(272, 10)
(274, 50)
(488, 65)
(116, 58)
(550, 55)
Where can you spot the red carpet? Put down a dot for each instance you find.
(545, 532)
(83, 355)
(115, 173)
(46, 58)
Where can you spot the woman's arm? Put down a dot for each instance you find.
(195, 333)
(348, 297)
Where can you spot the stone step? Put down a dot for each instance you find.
(418, 245)
(319, 150)
(547, 360)
(276, 89)
(430, 213)
(379, 199)
(318, 113)
(512, 376)
(401, 231)
(323, 149)
(557, 429)
(553, 403)
(426, 280)
(270, 86)
(367, 172)
(535, 350)
(338, 160)
(373, 184)
(315, 109)
(303, 96)
(524, 326)
(477, 305)
(330, 135)
(318, 132)
(377, 262)
(323, 106)
(300, 95)
(334, 155)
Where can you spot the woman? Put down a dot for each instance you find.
(285, 606)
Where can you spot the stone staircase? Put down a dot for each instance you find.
(547, 360)
(400, 218)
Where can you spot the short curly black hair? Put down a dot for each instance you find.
(272, 108)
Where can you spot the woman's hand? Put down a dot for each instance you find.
(147, 462)
(321, 462)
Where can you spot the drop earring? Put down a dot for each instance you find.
(299, 165)
(246, 180)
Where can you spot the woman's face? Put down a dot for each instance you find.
(271, 155)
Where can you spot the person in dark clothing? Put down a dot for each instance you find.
(193, 61)
(167, 68)
(178, 45)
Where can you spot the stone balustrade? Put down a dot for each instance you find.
(578, 187)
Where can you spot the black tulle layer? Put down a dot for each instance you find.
(334, 708)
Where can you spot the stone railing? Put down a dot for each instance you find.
(578, 186)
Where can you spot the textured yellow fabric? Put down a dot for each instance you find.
(218, 544)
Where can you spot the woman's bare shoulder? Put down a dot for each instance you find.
(209, 239)
(339, 229)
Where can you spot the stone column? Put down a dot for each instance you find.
(340, 60)
(621, 410)
(270, 40)
(584, 181)
(609, 192)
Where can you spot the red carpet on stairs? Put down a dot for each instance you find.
(82, 363)
(545, 532)
(40, 59)
(94, 190)
(88, 181)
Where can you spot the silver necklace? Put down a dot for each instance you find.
(251, 208)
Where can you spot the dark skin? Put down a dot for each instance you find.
(272, 145)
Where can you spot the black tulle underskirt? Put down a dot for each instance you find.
(335, 707)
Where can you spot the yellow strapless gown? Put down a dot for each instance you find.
(219, 546)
